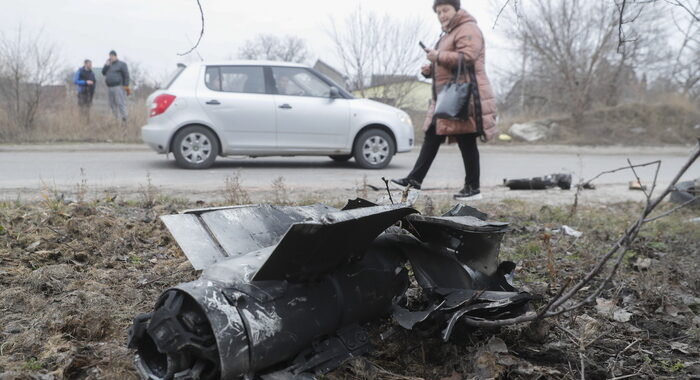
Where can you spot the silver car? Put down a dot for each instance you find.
(254, 108)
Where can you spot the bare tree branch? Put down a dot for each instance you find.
(671, 211)
(379, 52)
(585, 184)
(556, 306)
(270, 47)
(201, 31)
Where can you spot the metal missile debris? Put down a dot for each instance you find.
(285, 291)
(686, 192)
(563, 181)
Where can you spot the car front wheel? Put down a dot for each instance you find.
(374, 149)
(195, 147)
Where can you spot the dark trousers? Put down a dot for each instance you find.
(429, 149)
(84, 103)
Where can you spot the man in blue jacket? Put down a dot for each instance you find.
(84, 78)
(116, 75)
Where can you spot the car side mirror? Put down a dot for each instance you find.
(335, 93)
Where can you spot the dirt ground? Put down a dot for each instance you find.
(73, 274)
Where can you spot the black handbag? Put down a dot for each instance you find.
(453, 100)
(456, 98)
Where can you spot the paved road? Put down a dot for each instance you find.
(127, 167)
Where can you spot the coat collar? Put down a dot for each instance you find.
(460, 18)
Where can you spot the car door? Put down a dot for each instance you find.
(235, 99)
(307, 117)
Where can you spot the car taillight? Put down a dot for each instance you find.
(161, 104)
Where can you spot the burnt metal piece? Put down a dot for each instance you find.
(563, 181)
(464, 210)
(284, 290)
(685, 192)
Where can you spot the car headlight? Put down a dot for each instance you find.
(404, 118)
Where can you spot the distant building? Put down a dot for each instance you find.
(332, 73)
(406, 92)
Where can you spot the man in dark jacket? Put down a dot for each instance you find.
(116, 75)
(84, 78)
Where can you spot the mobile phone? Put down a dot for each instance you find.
(422, 45)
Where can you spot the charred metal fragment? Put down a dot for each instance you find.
(563, 181)
(285, 290)
(686, 192)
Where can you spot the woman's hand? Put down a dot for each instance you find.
(432, 55)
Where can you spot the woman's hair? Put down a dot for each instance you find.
(454, 3)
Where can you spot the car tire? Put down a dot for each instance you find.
(341, 157)
(374, 149)
(195, 147)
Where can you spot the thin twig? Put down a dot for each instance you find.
(627, 348)
(671, 211)
(690, 12)
(544, 310)
(626, 376)
(162, 277)
(619, 247)
(657, 162)
(201, 31)
(656, 178)
(639, 180)
(498, 16)
(386, 183)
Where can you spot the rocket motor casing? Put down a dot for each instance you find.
(255, 326)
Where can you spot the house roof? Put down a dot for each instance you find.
(324, 66)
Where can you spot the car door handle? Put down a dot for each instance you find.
(285, 106)
(214, 102)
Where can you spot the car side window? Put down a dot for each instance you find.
(296, 81)
(212, 78)
(241, 79)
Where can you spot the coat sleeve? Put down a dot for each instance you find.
(105, 68)
(468, 41)
(125, 75)
(76, 79)
(427, 71)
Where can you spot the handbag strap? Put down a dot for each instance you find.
(460, 64)
(478, 116)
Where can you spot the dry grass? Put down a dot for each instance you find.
(676, 120)
(64, 123)
(234, 192)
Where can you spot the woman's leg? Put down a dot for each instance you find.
(470, 157)
(428, 151)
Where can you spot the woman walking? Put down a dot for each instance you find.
(461, 35)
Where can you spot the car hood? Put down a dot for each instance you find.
(367, 104)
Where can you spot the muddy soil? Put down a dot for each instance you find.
(74, 274)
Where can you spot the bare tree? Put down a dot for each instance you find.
(273, 48)
(570, 57)
(686, 65)
(27, 63)
(566, 41)
(380, 51)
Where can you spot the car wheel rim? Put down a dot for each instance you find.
(375, 150)
(195, 148)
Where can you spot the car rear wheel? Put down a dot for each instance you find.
(195, 147)
(341, 157)
(374, 149)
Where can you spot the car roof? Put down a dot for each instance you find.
(246, 63)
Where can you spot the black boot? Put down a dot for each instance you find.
(401, 183)
(468, 194)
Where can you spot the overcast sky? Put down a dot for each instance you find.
(152, 32)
